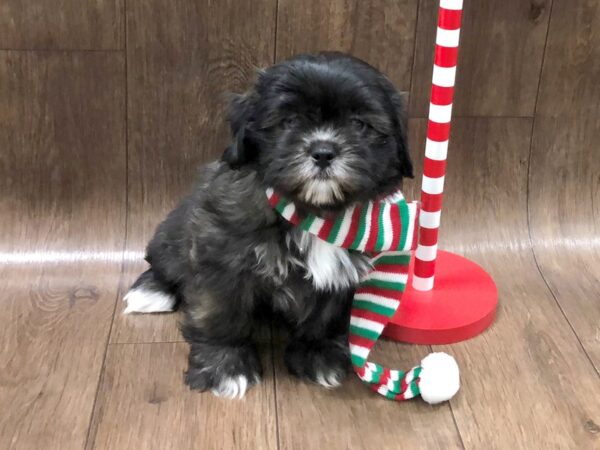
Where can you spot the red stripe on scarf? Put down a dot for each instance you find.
(374, 230)
(400, 397)
(391, 268)
(361, 341)
(370, 315)
(295, 219)
(273, 200)
(385, 376)
(375, 387)
(396, 226)
(403, 385)
(326, 229)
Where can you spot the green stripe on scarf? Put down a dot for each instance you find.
(404, 217)
(363, 332)
(393, 285)
(307, 222)
(357, 360)
(373, 307)
(380, 229)
(281, 204)
(335, 229)
(362, 225)
(392, 259)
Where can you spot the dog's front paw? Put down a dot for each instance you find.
(325, 362)
(226, 371)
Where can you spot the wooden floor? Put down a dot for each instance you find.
(108, 107)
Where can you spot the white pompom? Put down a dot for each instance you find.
(439, 378)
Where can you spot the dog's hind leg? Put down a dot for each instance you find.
(149, 295)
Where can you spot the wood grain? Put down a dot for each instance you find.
(62, 24)
(501, 49)
(184, 58)
(143, 404)
(533, 221)
(381, 32)
(353, 417)
(62, 140)
(564, 179)
(519, 388)
(62, 224)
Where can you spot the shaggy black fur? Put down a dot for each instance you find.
(224, 252)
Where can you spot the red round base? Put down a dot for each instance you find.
(461, 304)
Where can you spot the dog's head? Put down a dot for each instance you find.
(324, 130)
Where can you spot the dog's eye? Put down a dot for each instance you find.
(359, 125)
(290, 121)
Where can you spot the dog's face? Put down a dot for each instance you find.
(325, 131)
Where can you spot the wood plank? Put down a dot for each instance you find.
(62, 24)
(184, 58)
(62, 227)
(311, 417)
(144, 404)
(564, 181)
(518, 388)
(62, 138)
(501, 49)
(382, 32)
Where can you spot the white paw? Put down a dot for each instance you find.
(232, 387)
(145, 301)
(330, 379)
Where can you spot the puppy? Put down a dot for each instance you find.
(325, 131)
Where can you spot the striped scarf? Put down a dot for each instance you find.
(386, 230)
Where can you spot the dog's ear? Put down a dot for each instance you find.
(399, 100)
(241, 110)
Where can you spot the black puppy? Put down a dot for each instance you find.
(326, 131)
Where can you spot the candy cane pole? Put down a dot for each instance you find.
(436, 147)
(463, 301)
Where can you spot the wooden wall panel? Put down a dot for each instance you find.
(565, 168)
(184, 58)
(516, 372)
(66, 179)
(62, 143)
(62, 24)
(62, 223)
(502, 44)
(381, 32)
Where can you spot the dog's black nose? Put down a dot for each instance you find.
(322, 153)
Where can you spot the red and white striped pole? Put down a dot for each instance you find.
(463, 301)
(436, 147)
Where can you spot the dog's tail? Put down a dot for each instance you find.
(149, 294)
